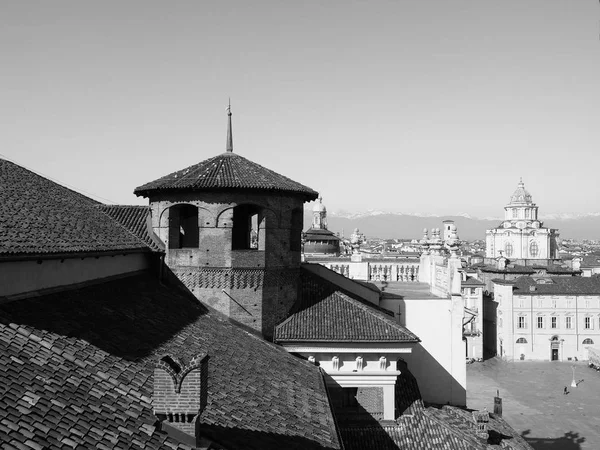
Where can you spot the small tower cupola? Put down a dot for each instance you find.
(319, 215)
(232, 231)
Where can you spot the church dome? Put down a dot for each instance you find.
(521, 195)
(319, 206)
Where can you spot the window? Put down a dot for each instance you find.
(568, 322)
(569, 303)
(245, 232)
(183, 226)
(554, 303)
(534, 249)
(588, 323)
(521, 322)
(521, 302)
(521, 341)
(500, 322)
(553, 322)
(540, 322)
(508, 249)
(587, 302)
(296, 230)
(588, 341)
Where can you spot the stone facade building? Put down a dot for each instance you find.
(547, 318)
(521, 237)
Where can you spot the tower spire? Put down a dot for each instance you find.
(229, 147)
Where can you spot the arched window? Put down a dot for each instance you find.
(508, 249)
(588, 341)
(183, 226)
(521, 341)
(296, 230)
(245, 230)
(534, 249)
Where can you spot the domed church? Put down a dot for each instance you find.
(521, 236)
(318, 240)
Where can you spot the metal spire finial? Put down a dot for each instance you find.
(229, 147)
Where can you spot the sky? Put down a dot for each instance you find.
(405, 106)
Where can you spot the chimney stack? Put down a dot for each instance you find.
(481, 419)
(180, 391)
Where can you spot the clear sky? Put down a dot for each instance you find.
(412, 106)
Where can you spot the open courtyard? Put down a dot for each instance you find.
(534, 402)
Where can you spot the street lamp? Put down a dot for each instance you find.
(573, 383)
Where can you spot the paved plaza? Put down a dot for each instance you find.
(534, 403)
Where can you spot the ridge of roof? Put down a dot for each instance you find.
(226, 171)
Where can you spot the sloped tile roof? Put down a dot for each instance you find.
(326, 314)
(78, 365)
(557, 286)
(446, 428)
(472, 281)
(226, 171)
(135, 219)
(39, 217)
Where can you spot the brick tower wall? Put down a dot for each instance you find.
(254, 287)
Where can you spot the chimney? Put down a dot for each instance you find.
(180, 392)
(481, 419)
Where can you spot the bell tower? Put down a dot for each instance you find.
(232, 231)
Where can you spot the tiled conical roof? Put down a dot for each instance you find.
(226, 171)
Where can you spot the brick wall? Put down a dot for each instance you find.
(180, 392)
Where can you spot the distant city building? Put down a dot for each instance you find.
(547, 318)
(318, 240)
(521, 237)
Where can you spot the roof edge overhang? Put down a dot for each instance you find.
(344, 341)
(308, 196)
(72, 255)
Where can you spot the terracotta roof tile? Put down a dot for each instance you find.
(557, 286)
(80, 363)
(39, 217)
(226, 171)
(326, 314)
(135, 219)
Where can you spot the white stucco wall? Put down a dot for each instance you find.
(18, 277)
(438, 361)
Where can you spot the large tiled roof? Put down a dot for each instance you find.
(325, 314)
(472, 281)
(557, 286)
(590, 261)
(516, 268)
(135, 219)
(41, 217)
(77, 368)
(226, 171)
(419, 427)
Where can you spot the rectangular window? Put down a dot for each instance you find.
(588, 323)
(569, 303)
(521, 303)
(553, 322)
(587, 302)
(540, 322)
(521, 323)
(567, 322)
(554, 303)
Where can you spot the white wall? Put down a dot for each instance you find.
(18, 277)
(438, 362)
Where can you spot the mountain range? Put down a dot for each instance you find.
(388, 225)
